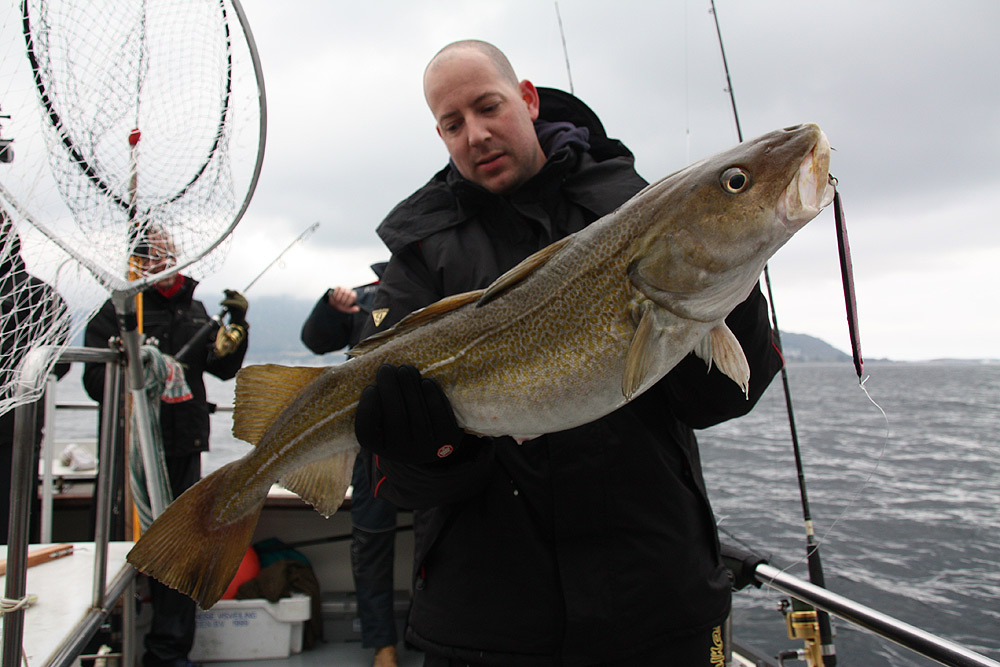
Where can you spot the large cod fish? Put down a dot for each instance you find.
(567, 336)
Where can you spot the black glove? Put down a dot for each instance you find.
(741, 565)
(237, 306)
(406, 418)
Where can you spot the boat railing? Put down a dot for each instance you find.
(919, 641)
(24, 468)
(51, 475)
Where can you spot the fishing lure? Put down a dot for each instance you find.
(847, 277)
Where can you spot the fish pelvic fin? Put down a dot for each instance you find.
(722, 348)
(415, 319)
(188, 550)
(323, 484)
(262, 392)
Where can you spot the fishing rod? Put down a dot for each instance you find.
(217, 319)
(562, 35)
(827, 650)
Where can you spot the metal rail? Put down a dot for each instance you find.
(904, 634)
(24, 467)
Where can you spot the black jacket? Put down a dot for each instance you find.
(173, 321)
(31, 311)
(576, 547)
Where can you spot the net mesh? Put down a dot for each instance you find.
(121, 122)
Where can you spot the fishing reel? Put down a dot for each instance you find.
(229, 338)
(802, 623)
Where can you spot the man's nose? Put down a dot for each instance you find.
(478, 131)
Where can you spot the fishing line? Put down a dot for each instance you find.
(857, 494)
(878, 460)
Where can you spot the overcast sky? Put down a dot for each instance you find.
(907, 93)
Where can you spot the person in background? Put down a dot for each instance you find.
(592, 546)
(172, 316)
(30, 310)
(335, 323)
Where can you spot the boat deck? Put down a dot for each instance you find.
(341, 646)
(62, 591)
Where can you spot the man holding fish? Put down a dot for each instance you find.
(592, 546)
(536, 403)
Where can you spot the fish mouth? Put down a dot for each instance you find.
(811, 188)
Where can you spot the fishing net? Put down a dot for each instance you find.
(121, 121)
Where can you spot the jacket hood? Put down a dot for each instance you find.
(565, 127)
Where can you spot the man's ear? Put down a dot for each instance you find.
(530, 97)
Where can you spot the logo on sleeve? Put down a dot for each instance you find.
(379, 315)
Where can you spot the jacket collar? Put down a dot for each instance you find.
(567, 130)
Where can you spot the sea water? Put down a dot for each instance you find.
(906, 506)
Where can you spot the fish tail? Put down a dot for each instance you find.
(187, 548)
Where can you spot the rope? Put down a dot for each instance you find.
(165, 382)
(8, 605)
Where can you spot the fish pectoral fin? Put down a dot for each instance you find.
(415, 319)
(641, 353)
(525, 268)
(323, 483)
(189, 549)
(722, 348)
(262, 392)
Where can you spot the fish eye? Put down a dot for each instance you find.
(735, 180)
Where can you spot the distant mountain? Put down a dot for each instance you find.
(275, 325)
(802, 347)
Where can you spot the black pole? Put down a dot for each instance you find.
(729, 81)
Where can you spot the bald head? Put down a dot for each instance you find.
(484, 115)
(455, 50)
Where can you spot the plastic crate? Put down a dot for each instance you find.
(250, 629)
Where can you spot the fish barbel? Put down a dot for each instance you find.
(567, 336)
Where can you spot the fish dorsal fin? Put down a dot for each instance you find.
(721, 348)
(262, 392)
(525, 268)
(432, 312)
(640, 355)
(323, 483)
(415, 319)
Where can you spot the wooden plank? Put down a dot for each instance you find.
(42, 555)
